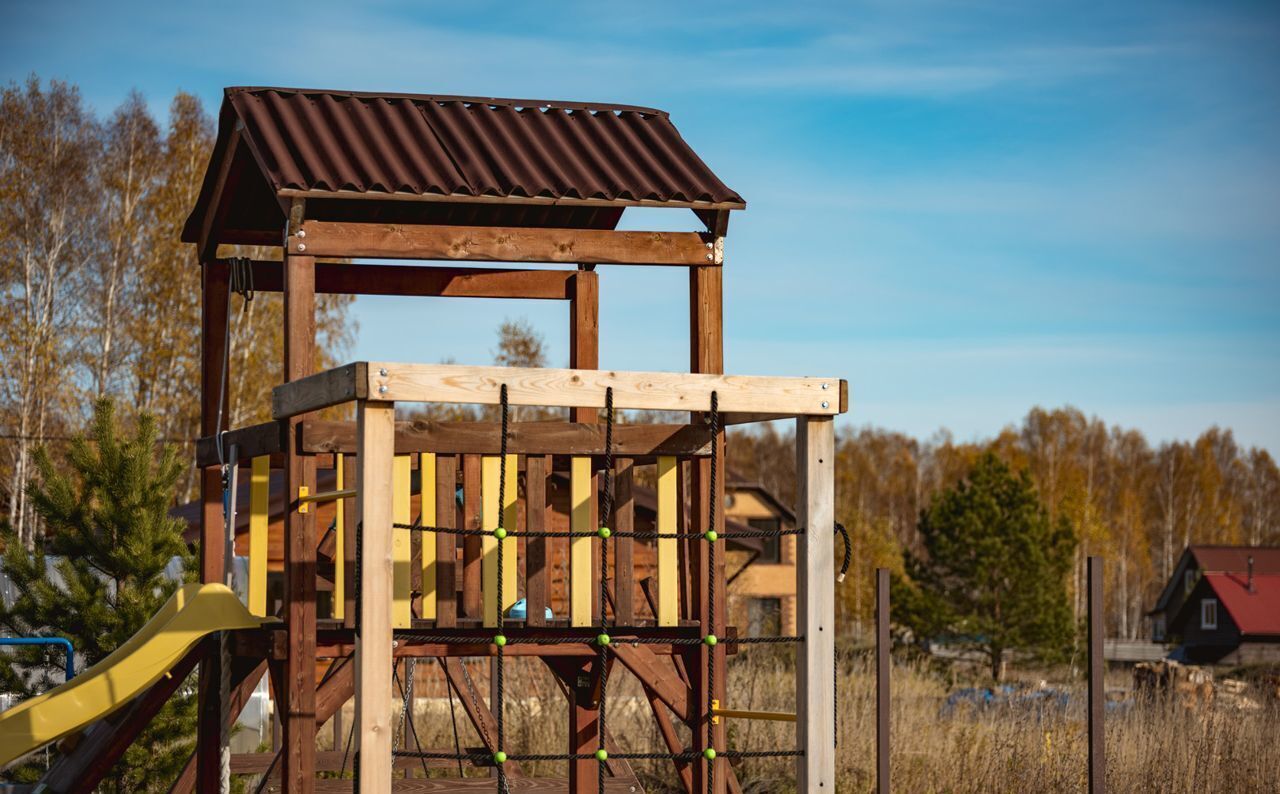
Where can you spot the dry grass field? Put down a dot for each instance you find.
(1160, 747)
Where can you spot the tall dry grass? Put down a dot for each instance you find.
(1151, 747)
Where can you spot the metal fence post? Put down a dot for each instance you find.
(1097, 682)
(882, 681)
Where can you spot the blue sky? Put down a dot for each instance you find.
(966, 209)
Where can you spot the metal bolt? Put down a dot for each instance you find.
(709, 257)
(302, 232)
(383, 390)
(302, 246)
(383, 373)
(825, 404)
(824, 386)
(710, 246)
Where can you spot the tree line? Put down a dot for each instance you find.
(101, 297)
(1135, 503)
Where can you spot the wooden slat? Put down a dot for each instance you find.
(815, 467)
(702, 207)
(446, 543)
(373, 729)
(401, 550)
(436, 281)
(624, 548)
(580, 556)
(322, 390)
(657, 674)
(668, 573)
(499, 595)
(472, 547)
(427, 500)
(267, 438)
(524, 438)
(576, 388)
(259, 526)
(347, 509)
(536, 558)
(504, 244)
(339, 544)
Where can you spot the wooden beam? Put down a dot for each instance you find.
(539, 785)
(253, 441)
(446, 496)
(573, 388)
(815, 467)
(499, 593)
(523, 438)
(427, 515)
(373, 728)
(647, 667)
(624, 547)
(425, 281)
(478, 712)
(401, 542)
(350, 517)
(472, 547)
(207, 242)
(504, 244)
(537, 557)
(668, 573)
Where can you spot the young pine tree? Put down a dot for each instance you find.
(994, 573)
(108, 538)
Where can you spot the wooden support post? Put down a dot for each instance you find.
(259, 525)
(401, 546)
(668, 573)
(537, 558)
(300, 540)
(373, 730)
(882, 681)
(581, 588)
(498, 595)
(815, 467)
(339, 600)
(1097, 682)
(213, 328)
(427, 514)
(624, 547)
(706, 355)
(446, 543)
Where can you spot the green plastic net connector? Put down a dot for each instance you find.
(603, 639)
(499, 757)
(710, 639)
(709, 754)
(601, 755)
(500, 640)
(604, 533)
(711, 535)
(500, 533)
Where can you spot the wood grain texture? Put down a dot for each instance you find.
(580, 557)
(537, 557)
(668, 573)
(428, 281)
(623, 547)
(373, 729)
(504, 244)
(446, 543)
(585, 388)
(350, 517)
(401, 540)
(498, 595)
(427, 500)
(259, 525)
(472, 547)
(267, 438)
(340, 543)
(815, 468)
(524, 438)
(322, 390)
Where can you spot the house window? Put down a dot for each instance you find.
(770, 548)
(764, 617)
(1188, 581)
(1208, 613)
(1157, 629)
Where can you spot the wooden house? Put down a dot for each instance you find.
(1222, 605)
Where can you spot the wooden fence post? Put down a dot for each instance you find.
(816, 730)
(1097, 682)
(882, 680)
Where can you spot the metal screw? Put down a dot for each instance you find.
(383, 390)
(709, 257)
(302, 246)
(824, 386)
(383, 373)
(302, 232)
(825, 404)
(710, 246)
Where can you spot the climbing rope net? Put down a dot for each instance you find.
(603, 641)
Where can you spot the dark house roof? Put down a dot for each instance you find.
(574, 159)
(1219, 559)
(1255, 612)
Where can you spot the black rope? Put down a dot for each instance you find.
(526, 533)
(606, 520)
(712, 504)
(761, 754)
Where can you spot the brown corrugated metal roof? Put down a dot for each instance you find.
(450, 148)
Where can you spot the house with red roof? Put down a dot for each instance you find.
(1222, 605)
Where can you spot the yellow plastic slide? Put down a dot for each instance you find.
(193, 612)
